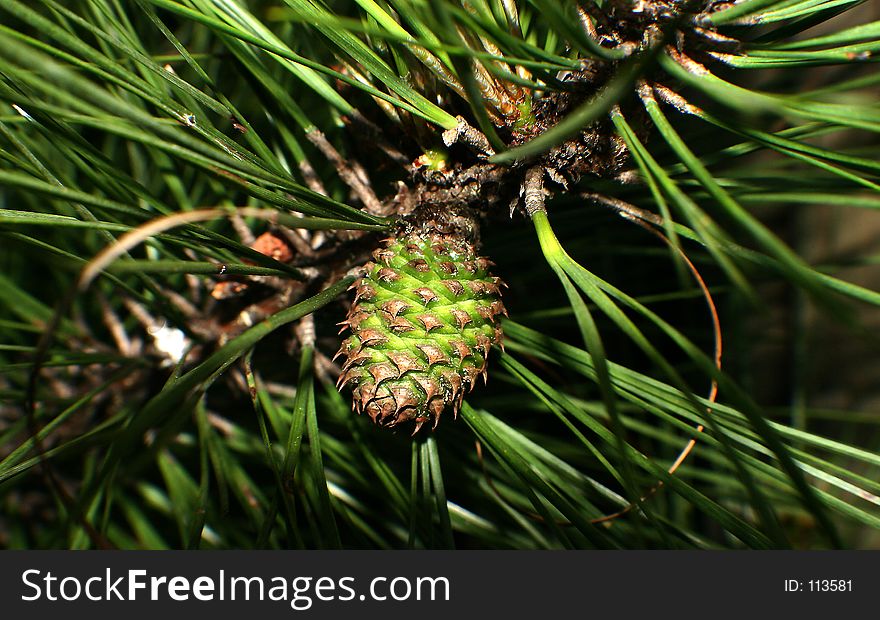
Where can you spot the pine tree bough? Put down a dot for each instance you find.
(426, 311)
(423, 320)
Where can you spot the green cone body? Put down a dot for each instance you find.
(423, 320)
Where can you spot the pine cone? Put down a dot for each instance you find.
(423, 320)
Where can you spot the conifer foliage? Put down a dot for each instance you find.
(195, 195)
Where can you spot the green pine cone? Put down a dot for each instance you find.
(423, 320)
